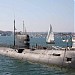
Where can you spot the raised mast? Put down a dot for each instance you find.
(24, 29)
(14, 33)
(23, 26)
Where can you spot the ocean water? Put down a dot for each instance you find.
(11, 66)
(41, 41)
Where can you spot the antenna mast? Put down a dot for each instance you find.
(23, 26)
(14, 33)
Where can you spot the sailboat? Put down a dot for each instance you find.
(50, 36)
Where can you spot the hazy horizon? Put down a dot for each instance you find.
(36, 32)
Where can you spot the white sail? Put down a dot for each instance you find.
(50, 36)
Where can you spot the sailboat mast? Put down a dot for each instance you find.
(14, 33)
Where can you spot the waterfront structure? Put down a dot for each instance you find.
(73, 42)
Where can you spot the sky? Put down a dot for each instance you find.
(37, 15)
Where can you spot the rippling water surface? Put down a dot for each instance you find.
(11, 66)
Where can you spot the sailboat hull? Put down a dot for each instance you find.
(52, 42)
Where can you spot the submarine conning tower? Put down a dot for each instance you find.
(26, 41)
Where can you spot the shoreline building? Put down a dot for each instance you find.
(73, 42)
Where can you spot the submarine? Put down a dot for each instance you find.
(61, 57)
